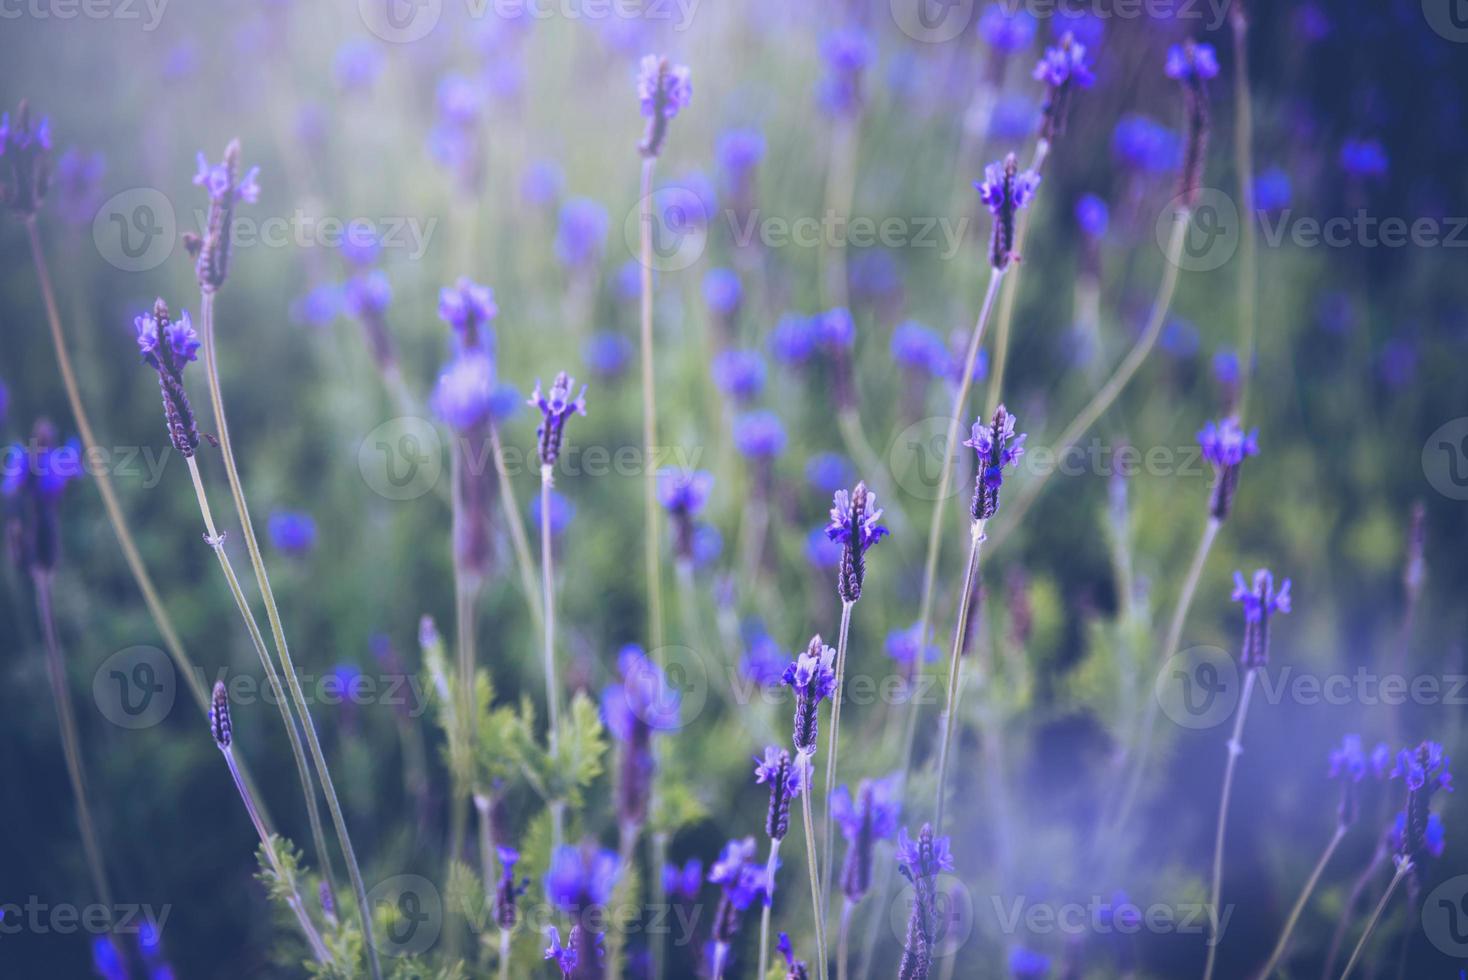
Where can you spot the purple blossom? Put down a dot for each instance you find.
(764, 660)
(663, 90)
(1363, 158)
(292, 532)
(1226, 367)
(868, 817)
(217, 180)
(828, 472)
(1424, 765)
(581, 878)
(1260, 602)
(1004, 191)
(644, 698)
(368, 295)
(722, 291)
(1226, 445)
(834, 329)
(542, 183)
(740, 374)
(582, 232)
(820, 550)
(907, 648)
(319, 306)
(357, 65)
(469, 308)
(564, 956)
(555, 409)
(38, 473)
(785, 780)
(168, 345)
(919, 348)
(793, 339)
(926, 857)
(813, 677)
(847, 53)
(106, 959)
(508, 890)
(1092, 215)
(606, 354)
(1026, 964)
(561, 512)
(1064, 64)
(996, 446)
(759, 435)
(958, 341)
(685, 882)
(465, 396)
(920, 862)
(683, 491)
(78, 185)
(1425, 771)
(1272, 189)
(707, 546)
(1191, 63)
(739, 151)
(1007, 28)
(1144, 145)
(797, 968)
(854, 518)
(1434, 837)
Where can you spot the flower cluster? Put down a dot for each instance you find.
(794, 969)
(742, 882)
(920, 862)
(1425, 770)
(683, 495)
(219, 722)
(1226, 445)
(582, 946)
(555, 408)
(869, 817)
(854, 523)
(663, 90)
(1260, 602)
(25, 161)
(1191, 65)
(1004, 190)
(167, 346)
(813, 677)
(37, 474)
(996, 446)
(1063, 69)
(643, 704)
(469, 308)
(225, 189)
(784, 779)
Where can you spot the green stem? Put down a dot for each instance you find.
(102, 479)
(833, 747)
(1305, 893)
(1403, 867)
(950, 449)
(1244, 166)
(1235, 749)
(955, 665)
(807, 773)
(843, 939)
(552, 692)
(504, 968)
(1378, 858)
(298, 907)
(518, 539)
(660, 900)
(252, 544)
(651, 553)
(1119, 379)
(764, 917)
(252, 626)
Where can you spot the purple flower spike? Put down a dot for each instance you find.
(555, 409)
(292, 532)
(564, 956)
(25, 161)
(1191, 62)
(854, 523)
(38, 472)
(920, 862)
(813, 676)
(847, 53)
(685, 882)
(1260, 602)
(509, 889)
(740, 374)
(759, 435)
(1226, 445)
(683, 494)
(1007, 29)
(663, 90)
(1348, 764)
(465, 395)
(1004, 190)
(1419, 831)
(581, 878)
(780, 773)
(795, 969)
(469, 308)
(226, 189)
(997, 447)
(1026, 964)
(167, 346)
(1063, 69)
(869, 817)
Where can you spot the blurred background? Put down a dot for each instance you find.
(402, 146)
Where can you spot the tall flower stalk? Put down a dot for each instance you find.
(997, 447)
(813, 678)
(663, 90)
(921, 861)
(1260, 602)
(785, 780)
(211, 252)
(854, 523)
(865, 818)
(169, 345)
(221, 727)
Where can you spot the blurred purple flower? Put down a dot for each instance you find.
(541, 185)
(759, 434)
(357, 65)
(580, 878)
(685, 882)
(828, 472)
(1142, 144)
(292, 532)
(561, 512)
(1092, 215)
(740, 374)
(582, 232)
(722, 291)
(464, 397)
(1363, 158)
(1190, 62)
(77, 185)
(318, 307)
(1007, 28)
(1272, 190)
(606, 354)
(918, 347)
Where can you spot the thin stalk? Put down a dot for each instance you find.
(955, 665)
(950, 448)
(252, 626)
(660, 900)
(627, 836)
(843, 939)
(1169, 647)
(552, 692)
(193, 677)
(1305, 893)
(1011, 290)
(262, 577)
(1119, 379)
(504, 973)
(764, 917)
(807, 773)
(518, 539)
(298, 907)
(1403, 866)
(71, 743)
(652, 554)
(1357, 890)
(833, 746)
(1244, 166)
(1235, 749)
(486, 850)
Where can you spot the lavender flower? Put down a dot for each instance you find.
(763, 661)
(37, 474)
(106, 959)
(564, 956)
(508, 890)
(813, 676)
(793, 339)
(992, 444)
(920, 349)
(356, 65)
(1005, 190)
(683, 495)
(722, 292)
(1348, 764)
(542, 183)
(740, 374)
(783, 777)
(1063, 69)
(78, 183)
(168, 346)
(643, 704)
(1006, 29)
(742, 883)
(828, 472)
(759, 435)
(738, 152)
(581, 878)
(464, 397)
(1092, 215)
(219, 721)
(25, 161)
(606, 354)
(854, 520)
(1144, 145)
(561, 512)
(1425, 771)
(367, 297)
(920, 862)
(1260, 602)
(1026, 964)
(796, 969)
(1226, 445)
(469, 308)
(907, 648)
(685, 882)
(870, 817)
(1363, 158)
(847, 53)
(292, 532)
(663, 90)
(225, 189)
(1192, 65)
(581, 233)
(555, 409)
